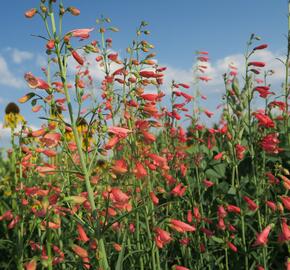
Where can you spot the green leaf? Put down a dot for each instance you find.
(210, 173)
(217, 239)
(232, 191)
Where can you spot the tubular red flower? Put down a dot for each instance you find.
(82, 234)
(119, 131)
(262, 238)
(179, 190)
(81, 33)
(80, 251)
(286, 201)
(179, 267)
(162, 237)
(270, 143)
(251, 204)
(233, 209)
(77, 57)
(34, 82)
(240, 150)
(232, 247)
(264, 120)
(257, 64)
(181, 227)
(140, 171)
(263, 91)
(154, 198)
(261, 47)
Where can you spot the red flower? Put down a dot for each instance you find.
(286, 201)
(178, 267)
(80, 251)
(204, 78)
(119, 131)
(263, 91)
(150, 74)
(285, 230)
(271, 205)
(112, 142)
(154, 198)
(203, 58)
(181, 227)
(270, 143)
(218, 156)
(222, 213)
(240, 149)
(184, 85)
(162, 237)
(262, 238)
(150, 97)
(77, 57)
(251, 204)
(50, 44)
(82, 234)
(7, 215)
(81, 33)
(120, 166)
(140, 171)
(208, 183)
(34, 82)
(233, 209)
(31, 265)
(208, 113)
(179, 190)
(261, 47)
(256, 64)
(232, 247)
(264, 120)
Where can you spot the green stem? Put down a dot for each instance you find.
(62, 68)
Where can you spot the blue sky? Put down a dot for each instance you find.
(178, 29)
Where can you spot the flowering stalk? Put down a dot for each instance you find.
(62, 68)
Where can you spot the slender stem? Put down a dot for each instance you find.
(62, 68)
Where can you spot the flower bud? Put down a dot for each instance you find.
(74, 11)
(30, 13)
(43, 8)
(50, 44)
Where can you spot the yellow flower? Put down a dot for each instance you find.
(12, 116)
(83, 130)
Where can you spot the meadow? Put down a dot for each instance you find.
(117, 180)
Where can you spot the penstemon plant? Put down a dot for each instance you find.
(114, 179)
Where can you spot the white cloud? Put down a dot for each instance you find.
(6, 76)
(217, 68)
(40, 60)
(18, 57)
